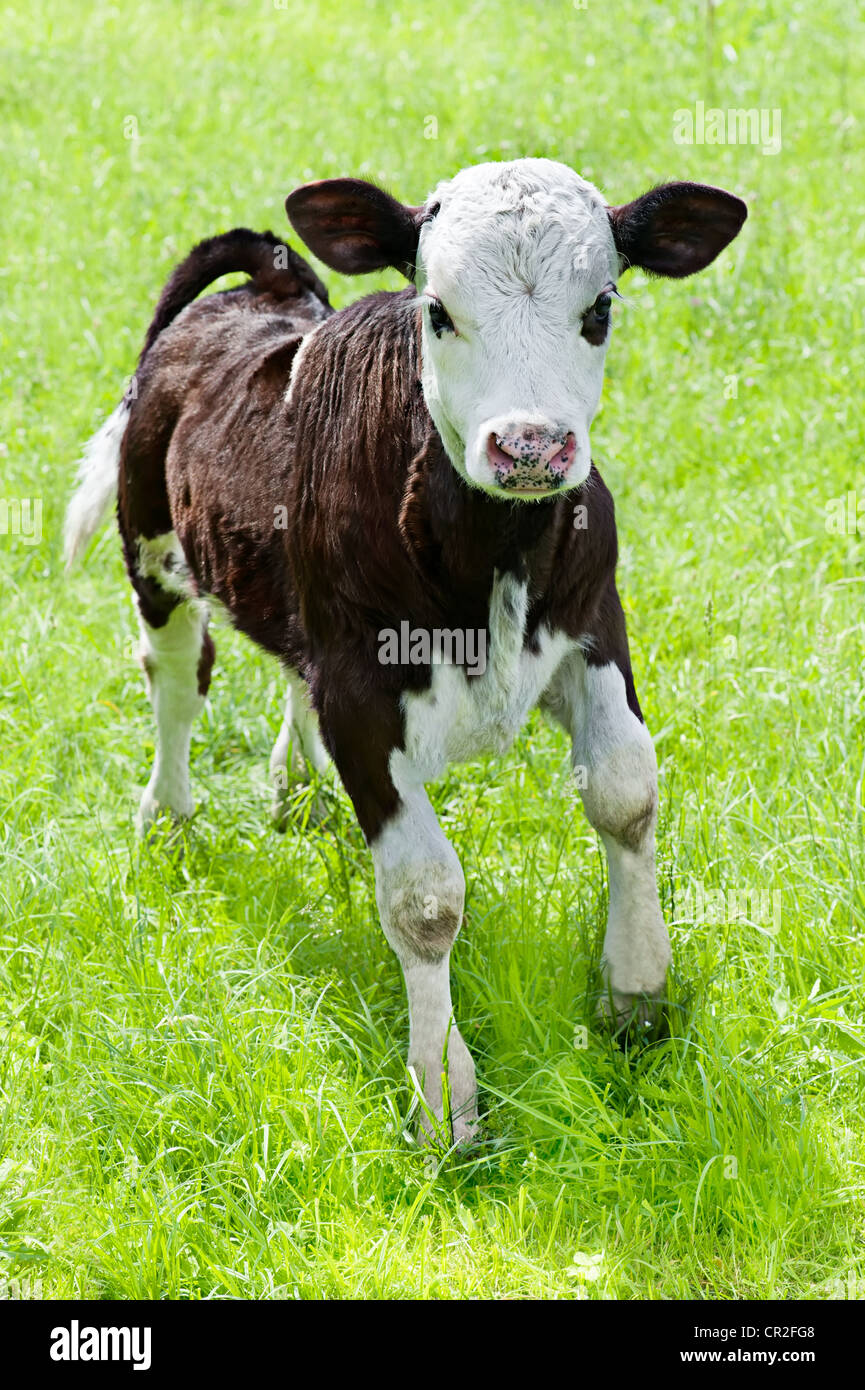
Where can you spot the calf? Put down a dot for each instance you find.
(418, 465)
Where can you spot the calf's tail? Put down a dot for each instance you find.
(274, 268)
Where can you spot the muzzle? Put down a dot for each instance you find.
(530, 459)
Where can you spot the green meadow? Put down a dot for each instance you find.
(202, 1089)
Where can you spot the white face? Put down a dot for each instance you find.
(515, 270)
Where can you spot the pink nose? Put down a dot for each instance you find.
(529, 459)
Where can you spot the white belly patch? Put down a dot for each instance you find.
(459, 717)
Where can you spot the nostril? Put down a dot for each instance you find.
(561, 455)
(500, 458)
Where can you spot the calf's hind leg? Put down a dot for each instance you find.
(298, 750)
(176, 653)
(176, 649)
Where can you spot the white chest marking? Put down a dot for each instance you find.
(460, 717)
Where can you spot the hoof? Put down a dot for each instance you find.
(155, 817)
(632, 1019)
(299, 804)
(453, 1124)
(445, 1136)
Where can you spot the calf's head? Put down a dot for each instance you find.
(516, 266)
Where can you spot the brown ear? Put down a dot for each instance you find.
(677, 228)
(355, 227)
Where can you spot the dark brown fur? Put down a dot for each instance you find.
(380, 527)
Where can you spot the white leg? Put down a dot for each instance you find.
(298, 750)
(620, 797)
(420, 891)
(171, 657)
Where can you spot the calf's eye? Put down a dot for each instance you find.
(439, 318)
(602, 306)
(596, 320)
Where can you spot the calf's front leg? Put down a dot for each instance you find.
(612, 750)
(621, 800)
(420, 892)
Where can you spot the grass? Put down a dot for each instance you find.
(201, 1083)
